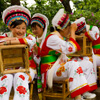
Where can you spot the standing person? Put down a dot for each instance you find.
(53, 46)
(17, 18)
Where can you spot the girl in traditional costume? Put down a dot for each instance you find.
(17, 18)
(92, 32)
(52, 49)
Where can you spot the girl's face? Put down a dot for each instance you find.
(38, 31)
(66, 31)
(19, 31)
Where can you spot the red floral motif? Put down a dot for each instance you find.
(21, 89)
(70, 79)
(58, 73)
(75, 60)
(2, 90)
(79, 70)
(29, 37)
(62, 68)
(3, 77)
(22, 77)
(96, 35)
(81, 58)
(70, 49)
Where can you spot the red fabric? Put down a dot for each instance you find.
(96, 41)
(77, 45)
(96, 51)
(45, 49)
(2, 37)
(45, 67)
(86, 34)
(94, 87)
(21, 41)
(32, 64)
(80, 91)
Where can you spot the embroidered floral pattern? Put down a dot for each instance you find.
(3, 77)
(2, 90)
(21, 89)
(60, 70)
(58, 73)
(70, 79)
(96, 35)
(70, 49)
(22, 77)
(29, 37)
(79, 70)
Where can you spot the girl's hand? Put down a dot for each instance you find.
(73, 27)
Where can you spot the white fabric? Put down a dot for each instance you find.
(57, 17)
(93, 32)
(58, 44)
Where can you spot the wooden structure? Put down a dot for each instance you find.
(12, 57)
(98, 73)
(57, 91)
(85, 44)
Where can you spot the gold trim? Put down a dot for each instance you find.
(78, 87)
(92, 84)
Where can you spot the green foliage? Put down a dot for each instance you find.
(47, 7)
(90, 9)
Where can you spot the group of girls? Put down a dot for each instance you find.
(50, 53)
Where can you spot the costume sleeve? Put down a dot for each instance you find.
(3, 36)
(66, 47)
(30, 40)
(93, 34)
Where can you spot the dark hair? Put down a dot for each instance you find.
(16, 22)
(52, 28)
(36, 24)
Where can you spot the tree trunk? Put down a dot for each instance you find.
(15, 2)
(66, 5)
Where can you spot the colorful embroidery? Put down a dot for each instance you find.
(58, 73)
(2, 90)
(21, 89)
(22, 77)
(70, 79)
(96, 35)
(79, 70)
(60, 70)
(3, 77)
(29, 37)
(70, 49)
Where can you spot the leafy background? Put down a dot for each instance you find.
(90, 9)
